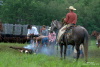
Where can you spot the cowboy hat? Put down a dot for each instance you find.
(71, 8)
(49, 28)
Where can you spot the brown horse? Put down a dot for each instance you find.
(95, 33)
(79, 36)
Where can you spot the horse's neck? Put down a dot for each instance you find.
(60, 25)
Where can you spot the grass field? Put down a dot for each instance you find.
(13, 58)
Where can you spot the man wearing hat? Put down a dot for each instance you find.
(71, 19)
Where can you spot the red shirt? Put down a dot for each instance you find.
(41, 30)
(71, 17)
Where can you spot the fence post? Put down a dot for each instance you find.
(10, 29)
(17, 29)
(24, 29)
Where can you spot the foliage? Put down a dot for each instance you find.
(39, 12)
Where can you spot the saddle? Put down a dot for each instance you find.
(72, 26)
(67, 29)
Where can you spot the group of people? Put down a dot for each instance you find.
(44, 38)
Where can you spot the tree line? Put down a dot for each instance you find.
(41, 12)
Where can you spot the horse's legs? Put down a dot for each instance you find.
(78, 51)
(98, 43)
(61, 49)
(65, 51)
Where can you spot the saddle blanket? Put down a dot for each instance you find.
(61, 33)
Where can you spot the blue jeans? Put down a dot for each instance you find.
(31, 41)
(68, 50)
(45, 40)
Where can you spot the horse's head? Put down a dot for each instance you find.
(55, 25)
(94, 33)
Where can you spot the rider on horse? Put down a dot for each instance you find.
(71, 19)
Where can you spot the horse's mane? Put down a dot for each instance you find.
(59, 22)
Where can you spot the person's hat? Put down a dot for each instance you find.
(49, 28)
(71, 8)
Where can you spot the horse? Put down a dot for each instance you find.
(79, 36)
(95, 33)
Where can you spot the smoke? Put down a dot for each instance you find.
(48, 50)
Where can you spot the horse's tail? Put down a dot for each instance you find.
(85, 44)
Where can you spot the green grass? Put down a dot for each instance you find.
(13, 58)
